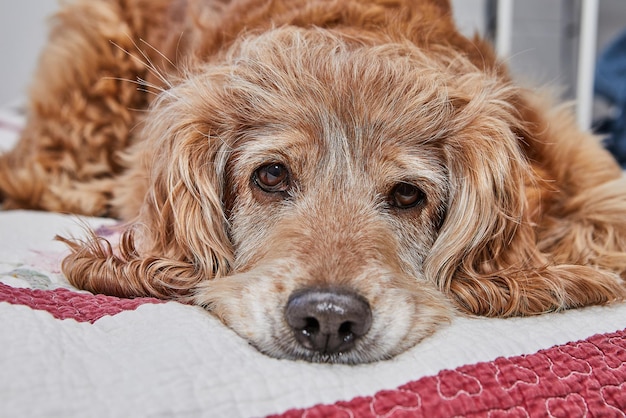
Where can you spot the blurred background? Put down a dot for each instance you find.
(540, 37)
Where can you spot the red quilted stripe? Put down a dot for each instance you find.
(65, 304)
(579, 379)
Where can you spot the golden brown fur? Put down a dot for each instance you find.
(515, 211)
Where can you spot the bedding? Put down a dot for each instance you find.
(68, 353)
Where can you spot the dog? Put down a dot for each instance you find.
(333, 179)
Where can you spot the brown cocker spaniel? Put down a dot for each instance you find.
(332, 178)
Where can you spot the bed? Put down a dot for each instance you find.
(69, 353)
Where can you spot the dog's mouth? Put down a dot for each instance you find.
(348, 357)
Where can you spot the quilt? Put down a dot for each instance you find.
(68, 353)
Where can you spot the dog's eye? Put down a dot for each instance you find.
(405, 195)
(272, 178)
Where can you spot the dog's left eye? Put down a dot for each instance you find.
(405, 195)
(272, 178)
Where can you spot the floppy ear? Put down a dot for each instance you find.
(486, 257)
(179, 237)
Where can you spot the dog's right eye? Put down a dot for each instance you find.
(272, 178)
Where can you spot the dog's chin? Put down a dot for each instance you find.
(365, 352)
(401, 318)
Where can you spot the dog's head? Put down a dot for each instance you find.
(321, 195)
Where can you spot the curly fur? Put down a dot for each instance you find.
(523, 213)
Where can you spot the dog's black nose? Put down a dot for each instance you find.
(328, 321)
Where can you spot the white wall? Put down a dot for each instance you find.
(22, 33)
(470, 15)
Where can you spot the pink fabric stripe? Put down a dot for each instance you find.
(65, 304)
(578, 379)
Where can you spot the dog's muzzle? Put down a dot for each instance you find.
(328, 321)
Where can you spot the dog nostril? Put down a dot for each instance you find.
(328, 321)
(345, 331)
(312, 326)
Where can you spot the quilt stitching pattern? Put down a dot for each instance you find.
(579, 379)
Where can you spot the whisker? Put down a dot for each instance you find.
(151, 67)
(158, 52)
(146, 61)
(139, 81)
(143, 86)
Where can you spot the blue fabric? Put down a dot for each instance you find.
(610, 84)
